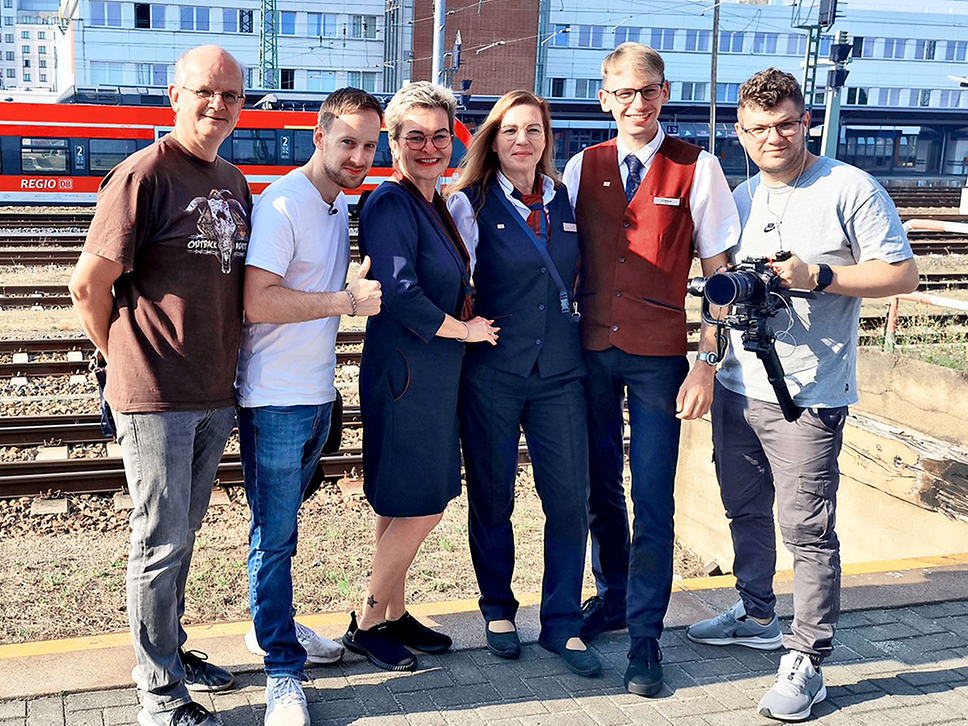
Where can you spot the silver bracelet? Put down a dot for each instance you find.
(467, 331)
(352, 301)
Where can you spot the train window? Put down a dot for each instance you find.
(458, 153)
(43, 156)
(251, 146)
(304, 146)
(108, 153)
(383, 158)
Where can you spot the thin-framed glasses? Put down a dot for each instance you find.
(784, 129)
(229, 98)
(625, 96)
(416, 141)
(533, 132)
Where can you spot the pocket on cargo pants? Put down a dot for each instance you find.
(813, 517)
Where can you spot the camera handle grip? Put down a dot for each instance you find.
(774, 374)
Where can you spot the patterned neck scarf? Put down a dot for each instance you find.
(538, 218)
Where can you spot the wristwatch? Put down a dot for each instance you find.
(710, 358)
(824, 277)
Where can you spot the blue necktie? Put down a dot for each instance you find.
(633, 181)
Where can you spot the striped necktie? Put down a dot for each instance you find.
(538, 218)
(634, 179)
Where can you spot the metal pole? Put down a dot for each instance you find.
(437, 72)
(712, 80)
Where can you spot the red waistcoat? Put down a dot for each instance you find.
(635, 257)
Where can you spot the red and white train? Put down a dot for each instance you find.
(57, 153)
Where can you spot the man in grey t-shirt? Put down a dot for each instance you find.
(847, 243)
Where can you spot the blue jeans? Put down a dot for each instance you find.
(280, 447)
(633, 574)
(170, 461)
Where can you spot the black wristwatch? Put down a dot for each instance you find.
(824, 277)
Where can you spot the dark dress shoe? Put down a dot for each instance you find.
(379, 646)
(644, 674)
(414, 634)
(597, 618)
(580, 662)
(503, 645)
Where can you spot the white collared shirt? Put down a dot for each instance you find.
(463, 212)
(714, 216)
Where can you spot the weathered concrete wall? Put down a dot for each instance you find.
(902, 494)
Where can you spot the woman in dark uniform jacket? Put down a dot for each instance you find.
(515, 217)
(410, 370)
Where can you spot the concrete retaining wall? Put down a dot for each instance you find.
(904, 486)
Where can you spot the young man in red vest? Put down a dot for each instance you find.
(644, 202)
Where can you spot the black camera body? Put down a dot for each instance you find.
(753, 293)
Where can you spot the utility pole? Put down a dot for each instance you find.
(440, 13)
(268, 46)
(712, 80)
(836, 77)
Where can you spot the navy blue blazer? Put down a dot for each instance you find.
(514, 288)
(409, 378)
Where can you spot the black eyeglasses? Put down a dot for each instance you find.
(784, 129)
(626, 96)
(416, 141)
(229, 98)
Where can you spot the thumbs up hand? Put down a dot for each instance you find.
(366, 292)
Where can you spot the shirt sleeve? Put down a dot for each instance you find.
(389, 229)
(875, 230)
(122, 217)
(572, 177)
(272, 242)
(462, 211)
(714, 215)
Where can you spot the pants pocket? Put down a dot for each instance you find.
(399, 375)
(813, 516)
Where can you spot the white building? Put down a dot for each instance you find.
(322, 45)
(28, 29)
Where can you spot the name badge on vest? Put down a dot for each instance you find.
(500, 226)
(606, 183)
(569, 226)
(667, 201)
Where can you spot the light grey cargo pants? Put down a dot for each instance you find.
(759, 455)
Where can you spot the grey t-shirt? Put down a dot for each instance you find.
(838, 215)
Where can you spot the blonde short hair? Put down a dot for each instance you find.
(419, 94)
(641, 58)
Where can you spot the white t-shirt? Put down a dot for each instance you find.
(295, 236)
(714, 216)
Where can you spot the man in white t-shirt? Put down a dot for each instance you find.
(295, 292)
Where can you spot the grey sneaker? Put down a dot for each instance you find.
(798, 686)
(319, 650)
(285, 702)
(734, 628)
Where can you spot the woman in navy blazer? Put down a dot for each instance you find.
(515, 217)
(410, 370)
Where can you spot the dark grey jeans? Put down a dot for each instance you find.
(759, 456)
(170, 461)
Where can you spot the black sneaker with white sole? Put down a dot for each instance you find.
(379, 646)
(200, 675)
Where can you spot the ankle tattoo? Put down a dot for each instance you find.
(371, 602)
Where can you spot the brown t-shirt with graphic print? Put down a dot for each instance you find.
(180, 227)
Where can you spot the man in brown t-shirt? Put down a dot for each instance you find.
(158, 289)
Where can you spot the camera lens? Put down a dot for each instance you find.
(729, 288)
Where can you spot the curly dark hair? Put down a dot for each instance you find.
(768, 89)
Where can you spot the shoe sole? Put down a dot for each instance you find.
(353, 647)
(589, 673)
(314, 659)
(506, 654)
(755, 642)
(645, 691)
(800, 715)
(204, 688)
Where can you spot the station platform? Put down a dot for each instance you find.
(901, 657)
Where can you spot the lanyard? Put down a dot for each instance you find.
(563, 299)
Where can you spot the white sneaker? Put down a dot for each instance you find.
(798, 686)
(285, 702)
(319, 650)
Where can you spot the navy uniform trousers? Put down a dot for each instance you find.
(532, 379)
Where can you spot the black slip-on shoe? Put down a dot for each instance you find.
(379, 646)
(644, 674)
(200, 675)
(597, 618)
(503, 645)
(414, 634)
(580, 662)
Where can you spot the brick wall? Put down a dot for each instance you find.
(494, 71)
